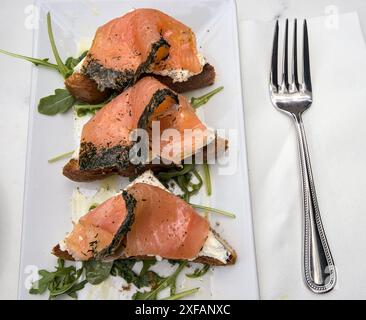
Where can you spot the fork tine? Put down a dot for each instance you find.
(285, 59)
(295, 77)
(307, 77)
(274, 61)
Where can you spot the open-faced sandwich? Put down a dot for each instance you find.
(106, 145)
(142, 42)
(145, 221)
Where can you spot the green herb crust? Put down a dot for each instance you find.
(130, 202)
(119, 156)
(157, 99)
(119, 80)
(114, 157)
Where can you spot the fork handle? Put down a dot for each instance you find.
(319, 269)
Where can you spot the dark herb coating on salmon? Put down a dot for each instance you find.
(115, 157)
(120, 156)
(117, 79)
(123, 229)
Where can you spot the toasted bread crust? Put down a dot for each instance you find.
(204, 79)
(85, 89)
(72, 169)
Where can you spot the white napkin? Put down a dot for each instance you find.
(336, 132)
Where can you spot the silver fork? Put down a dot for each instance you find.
(293, 98)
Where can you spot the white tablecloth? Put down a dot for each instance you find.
(336, 133)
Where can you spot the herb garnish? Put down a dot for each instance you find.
(64, 280)
(36, 61)
(97, 271)
(62, 68)
(164, 283)
(61, 156)
(206, 170)
(59, 102)
(184, 178)
(225, 213)
(197, 102)
(182, 294)
(199, 272)
(83, 108)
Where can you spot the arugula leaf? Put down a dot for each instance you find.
(59, 102)
(199, 272)
(97, 271)
(63, 280)
(164, 283)
(76, 287)
(146, 264)
(83, 108)
(63, 69)
(197, 102)
(72, 62)
(183, 178)
(35, 61)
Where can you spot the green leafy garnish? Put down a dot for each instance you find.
(35, 61)
(97, 271)
(197, 102)
(199, 272)
(184, 179)
(83, 108)
(64, 280)
(123, 268)
(72, 62)
(61, 156)
(59, 102)
(65, 69)
(62, 68)
(225, 213)
(93, 206)
(164, 283)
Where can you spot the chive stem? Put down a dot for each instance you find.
(61, 156)
(181, 294)
(206, 170)
(224, 213)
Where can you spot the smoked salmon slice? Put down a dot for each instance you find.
(107, 145)
(165, 225)
(143, 221)
(141, 41)
(101, 231)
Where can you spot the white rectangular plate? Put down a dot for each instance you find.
(47, 212)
